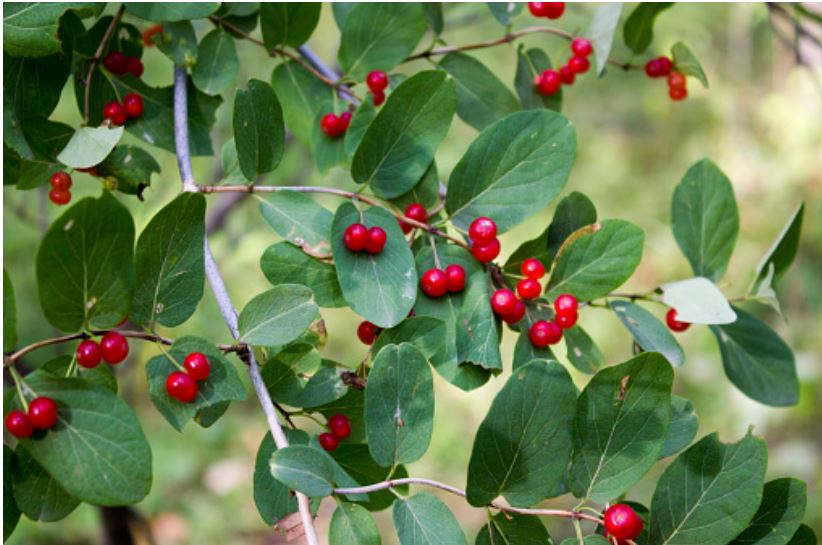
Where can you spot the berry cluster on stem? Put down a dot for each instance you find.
(548, 82)
(182, 384)
(548, 10)
(339, 429)
(358, 237)
(377, 82)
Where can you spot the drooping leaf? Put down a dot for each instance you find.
(513, 529)
(303, 97)
(277, 316)
(169, 12)
(682, 429)
(782, 252)
(638, 31)
(30, 28)
(288, 23)
(274, 500)
(38, 495)
(779, 515)
(433, 12)
(581, 350)
(128, 169)
(698, 301)
(531, 63)
(217, 62)
(32, 87)
(602, 30)
(424, 520)
(9, 314)
(89, 146)
(300, 220)
(283, 263)
(686, 62)
(649, 333)
(259, 133)
(303, 469)
(352, 525)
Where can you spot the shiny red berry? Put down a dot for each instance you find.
(181, 387)
(665, 65)
(344, 122)
(529, 288)
(537, 9)
(134, 66)
(579, 64)
(340, 426)
(622, 522)
(376, 240)
(379, 98)
(414, 211)
(673, 323)
(197, 366)
(19, 424)
(677, 80)
(88, 354)
(59, 197)
(581, 47)
(43, 413)
(482, 230)
(653, 68)
(532, 268)
(60, 181)
(329, 125)
(116, 63)
(565, 303)
(356, 237)
(328, 442)
(133, 103)
(544, 333)
(115, 112)
(114, 347)
(566, 320)
(567, 75)
(554, 10)
(549, 82)
(515, 315)
(503, 301)
(367, 332)
(377, 81)
(678, 93)
(485, 253)
(455, 277)
(434, 283)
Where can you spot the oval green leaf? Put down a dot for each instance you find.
(288, 23)
(352, 525)
(304, 469)
(649, 333)
(277, 316)
(259, 133)
(217, 62)
(424, 520)
(89, 146)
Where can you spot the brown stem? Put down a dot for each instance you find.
(96, 60)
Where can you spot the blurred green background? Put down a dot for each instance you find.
(760, 121)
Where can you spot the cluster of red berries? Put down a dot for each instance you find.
(416, 212)
(334, 125)
(118, 113)
(484, 242)
(436, 282)
(112, 348)
(60, 186)
(549, 81)
(544, 333)
(550, 10)
(182, 385)
(358, 237)
(674, 324)
(339, 428)
(377, 81)
(622, 523)
(41, 415)
(117, 63)
(505, 302)
(663, 67)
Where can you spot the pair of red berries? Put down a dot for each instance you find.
(113, 348)
(334, 125)
(549, 81)
(339, 428)
(549, 10)
(42, 415)
(182, 385)
(117, 63)
(544, 333)
(507, 306)
(662, 67)
(485, 245)
(367, 332)
(358, 237)
(529, 287)
(416, 212)
(60, 185)
(131, 108)
(673, 323)
(622, 523)
(377, 82)
(436, 282)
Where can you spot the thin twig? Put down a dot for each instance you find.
(324, 69)
(96, 60)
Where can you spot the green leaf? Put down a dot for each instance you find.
(128, 169)
(686, 62)
(303, 469)
(9, 314)
(30, 28)
(282, 263)
(11, 512)
(379, 36)
(169, 12)
(32, 87)
(230, 164)
(512, 170)
(602, 30)
(101, 375)
(683, 427)
(36, 493)
(513, 529)
(355, 460)
(97, 451)
(288, 23)
(223, 383)
(352, 525)
(399, 405)
(427, 334)
(170, 266)
(286, 384)
(300, 220)
(47, 139)
(482, 98)
(277, 316)
(478, 337)
(622, 419)
(582, 352)
(530, 63)
(781, 254)
(178, 42)
(503, 12)
(597, 262)
(259, 133)
(649, 333)
(380, 287)
(274, 500)
(400, 143)
(757, 361)
(91, 245)
(89, 146)
(424, 520)
(705, 219)
(352, 405)
(217, 63)
(698, 301)
(433, 12)
(709, 493)
(303, 97)
(426, 192)
(638, 31)
(340, 10)
(525, 352)
(803, 536)
(363, 116)
(523, 445)
(779, 514)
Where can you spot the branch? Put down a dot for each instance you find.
(96, 60)
(385, 485)
(328, 73)
(217, 284)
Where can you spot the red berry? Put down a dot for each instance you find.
(59, 197)
(434, 283)
(329, 124)
(622, 522)
(43, 413)
(417, 212)
(133, 103)
(356, 237)
(678, 93)
(566, 320)
(554, 10)
(544, 333)
(581, 47)
(115, 62)
(673, 323)
(482, 230)
(538, 9)
(665, 65)
(328, 442)
(485, 253)
(579, 64)
(339, 426)
(516, 315)
(115, 112)
(379, 98)
(567, 75)
(197, 366)
(134, 66)
(88, 354)
(114, 347)
(503, 301)
(653, 68)
(532, 268)
(60, 181)
(181, 387)
(19, 424)
(376, 240)
(565, 304)
(367, 332)
(455, 278)
(344, 122)
(549, 82)
(377, 81)
(677, 80)
(529, 288)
